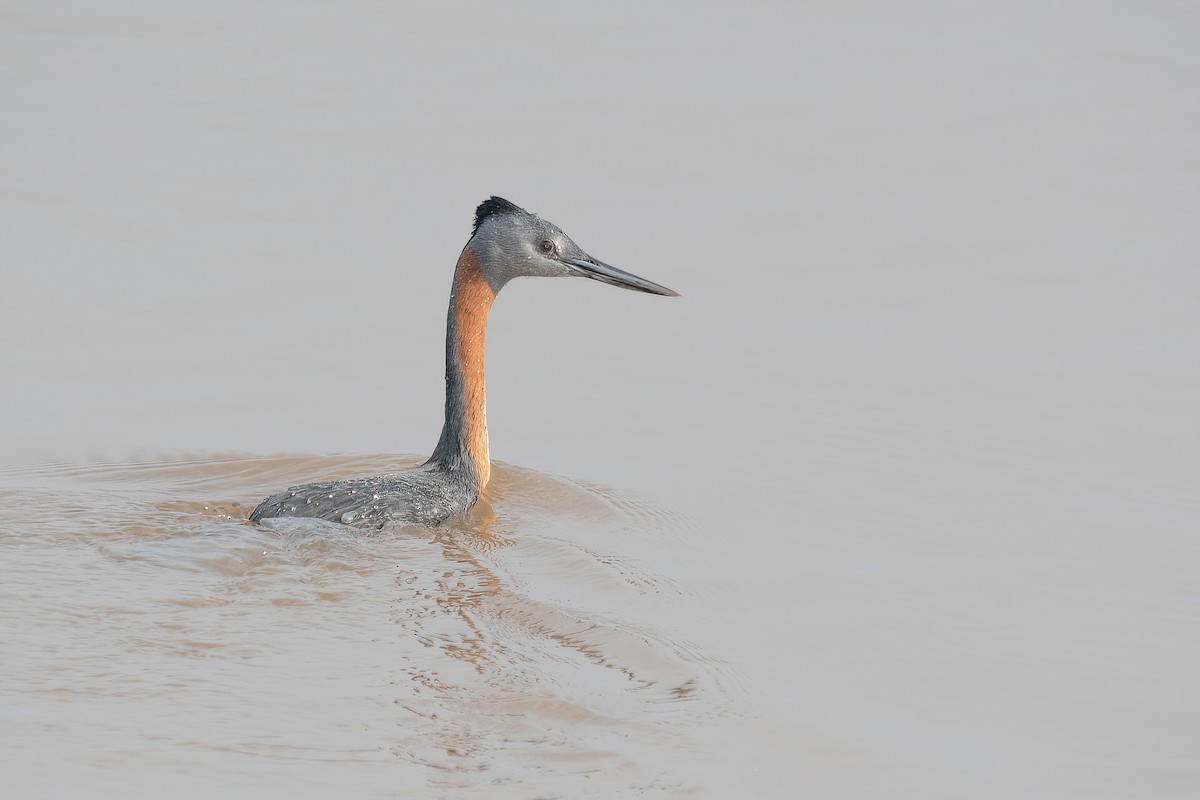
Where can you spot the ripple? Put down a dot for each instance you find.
(514, 641)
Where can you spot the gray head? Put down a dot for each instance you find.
(511, 242)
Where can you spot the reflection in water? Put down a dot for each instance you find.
(502, 648)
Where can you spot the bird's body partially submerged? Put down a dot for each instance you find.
(507, 242)
(426, 495)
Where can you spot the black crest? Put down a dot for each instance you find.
(490, 208)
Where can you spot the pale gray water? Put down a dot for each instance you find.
(899, 499)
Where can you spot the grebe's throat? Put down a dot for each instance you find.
(463, 446)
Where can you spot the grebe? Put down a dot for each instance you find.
(506, 242)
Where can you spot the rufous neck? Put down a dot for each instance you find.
(463, 446)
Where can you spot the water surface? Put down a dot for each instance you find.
(516, 645)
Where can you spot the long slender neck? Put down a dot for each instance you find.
(463, 446)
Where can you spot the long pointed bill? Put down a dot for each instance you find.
(599, 271)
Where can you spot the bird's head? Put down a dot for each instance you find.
(510, 242)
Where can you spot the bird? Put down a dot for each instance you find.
(506, 242)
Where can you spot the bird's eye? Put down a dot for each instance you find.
(547, 246)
